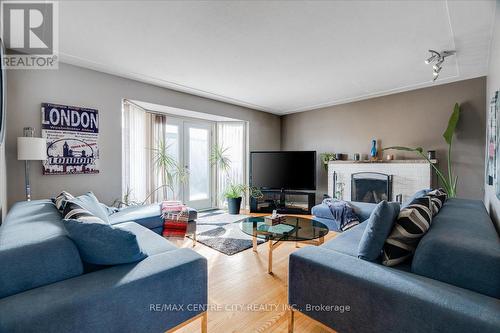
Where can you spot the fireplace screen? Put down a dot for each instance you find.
(371, 187)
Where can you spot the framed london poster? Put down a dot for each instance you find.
(72, 135)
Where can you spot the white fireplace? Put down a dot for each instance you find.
(348, 180)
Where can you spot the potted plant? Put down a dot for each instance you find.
(327, 157)
(449, 181)
(234, 192)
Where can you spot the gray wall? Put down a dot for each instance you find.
(71, 85)
(414, 118)
(490, 199)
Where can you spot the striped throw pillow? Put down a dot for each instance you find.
(438, 198)
(411, 225)
(73, 210)
(61, 199)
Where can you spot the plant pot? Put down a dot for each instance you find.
(233, 205)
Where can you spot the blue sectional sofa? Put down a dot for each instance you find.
(45, 286)
(451, 285)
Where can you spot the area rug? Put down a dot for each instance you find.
(221, 231)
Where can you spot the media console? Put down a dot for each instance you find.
(285, 202)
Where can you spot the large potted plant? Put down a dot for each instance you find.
(234, 192)
(448, 181)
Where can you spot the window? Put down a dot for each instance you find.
(231, 136)
(185, 145)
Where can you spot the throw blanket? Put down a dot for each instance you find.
(342, 212)
(175, 219)
(171, 206)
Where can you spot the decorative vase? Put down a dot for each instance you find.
(373, 151)
(233, 205)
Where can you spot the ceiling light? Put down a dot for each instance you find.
(437, 68)
(434, 55)
(439, 58)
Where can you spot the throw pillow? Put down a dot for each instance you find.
(109, 209)
(61, 199)
(417, 195)
(438, 198)
(378, 227)
(89, 202)
(97, 241)
(411, 225)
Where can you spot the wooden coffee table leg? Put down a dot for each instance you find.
(254, 242)
(270, 257)
(271, 248)
(290, 320)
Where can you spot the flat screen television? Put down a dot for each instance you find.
(288, 170)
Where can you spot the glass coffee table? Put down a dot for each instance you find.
(294, 229)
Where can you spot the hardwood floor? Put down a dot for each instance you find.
(250, 299)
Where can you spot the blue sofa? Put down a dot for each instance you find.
(45, 286)
(451, 285)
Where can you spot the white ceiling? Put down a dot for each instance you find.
(279, 57)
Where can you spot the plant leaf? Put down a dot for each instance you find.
(452, 124)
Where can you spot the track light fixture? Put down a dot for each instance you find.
(439, 58)
(434, 55)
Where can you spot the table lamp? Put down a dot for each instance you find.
(29, 149)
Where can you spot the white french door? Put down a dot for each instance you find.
(198, 188)
(190, 143)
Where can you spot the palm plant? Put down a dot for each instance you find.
(449, 181)
(220, 159)
(126, 200)
(234, 192)
(170, 171)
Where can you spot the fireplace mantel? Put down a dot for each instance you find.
(381, 162)
(408, 176)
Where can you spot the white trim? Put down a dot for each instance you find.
(80, 62)
(114, 70)
(383, 93)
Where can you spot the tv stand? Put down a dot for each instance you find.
(285, 202)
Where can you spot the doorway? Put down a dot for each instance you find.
(190, 142)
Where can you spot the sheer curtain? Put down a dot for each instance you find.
(231, 135)
(159, 143)
(145, 134)
(135, 154)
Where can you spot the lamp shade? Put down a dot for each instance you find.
(31, 149)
